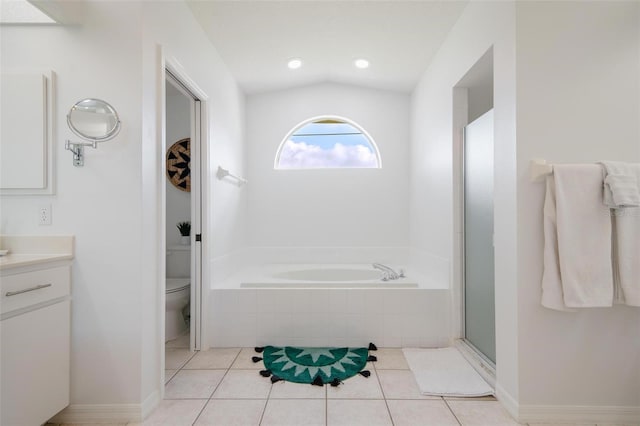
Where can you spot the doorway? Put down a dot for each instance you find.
(473, 159)
(183, 215)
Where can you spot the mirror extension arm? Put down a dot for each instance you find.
(94, 120)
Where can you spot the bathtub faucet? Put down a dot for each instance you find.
(389, 273)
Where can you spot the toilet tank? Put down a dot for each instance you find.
(178, 261)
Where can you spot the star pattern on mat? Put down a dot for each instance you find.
(315, 354)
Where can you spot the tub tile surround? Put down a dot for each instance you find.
(245, 317)
(349, 317)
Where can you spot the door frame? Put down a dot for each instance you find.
(484, 366)
(169, 67)
(463, 241)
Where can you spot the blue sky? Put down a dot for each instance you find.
(327, 145)
(330, 130)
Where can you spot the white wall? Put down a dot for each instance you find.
(330, 207)
(172, 34)
(113, 204)
(578, 101)
(435, 180)
(178, 202)
(98, 203)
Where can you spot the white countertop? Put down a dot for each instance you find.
(17, 260)
(30, 250)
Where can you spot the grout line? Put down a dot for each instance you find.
(326, 406)
(264, 409)
(384, 396)
(216, 387)
(454, 414)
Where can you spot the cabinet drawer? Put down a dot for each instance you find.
(29, 288)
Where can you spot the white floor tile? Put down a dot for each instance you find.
(569, 424)
(175, 358)
(243, 384)
(168, 374)
(179, 342)
(232, 412)
(357, 387)
(177, 412)
(390, 359)
(243, 360)
(294, 412)
(481, 413)
(353, 412)
(615, 424)
(193, 384)
(400, 384)
(419, 413)
(213, 359)
(288, 390)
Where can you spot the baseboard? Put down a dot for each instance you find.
(579, 414)
(107, 413)
(150, 404)
(508, 402)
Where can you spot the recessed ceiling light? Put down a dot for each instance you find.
(294, 64)
(361, 63)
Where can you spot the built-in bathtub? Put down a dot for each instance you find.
(322, 276)
(328, 305)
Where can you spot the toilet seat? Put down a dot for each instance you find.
(175, 285)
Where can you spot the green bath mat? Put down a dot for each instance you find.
(317, 366)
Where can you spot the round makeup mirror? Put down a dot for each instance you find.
(94, 120)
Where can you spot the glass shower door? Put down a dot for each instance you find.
(479, 301)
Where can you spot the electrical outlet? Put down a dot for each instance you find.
(44, 215)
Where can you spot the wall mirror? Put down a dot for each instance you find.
(27, 112)
(94, 120)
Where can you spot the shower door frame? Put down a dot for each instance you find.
(485, 366)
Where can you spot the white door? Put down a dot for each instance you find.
(479, 300)
(195, 165)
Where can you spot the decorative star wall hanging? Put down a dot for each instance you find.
(179, 164)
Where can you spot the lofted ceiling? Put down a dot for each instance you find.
(257, 38)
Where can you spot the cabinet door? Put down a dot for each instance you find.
(35, 365)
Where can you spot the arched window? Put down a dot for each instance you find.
(327, 142)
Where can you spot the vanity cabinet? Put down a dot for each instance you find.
(35, 330)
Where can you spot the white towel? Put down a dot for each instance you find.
(626, 246)
(621, 184)
(552, 296)
(584, 236)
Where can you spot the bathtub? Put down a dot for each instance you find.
(327, 305)
(322, 276)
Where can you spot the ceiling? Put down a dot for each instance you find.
(257, 38)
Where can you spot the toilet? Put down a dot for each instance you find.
(177, 291)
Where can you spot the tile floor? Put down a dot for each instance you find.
(223, 387)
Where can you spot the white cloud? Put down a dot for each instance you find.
(300, 155)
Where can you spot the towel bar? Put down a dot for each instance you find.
(222, 173)
(539, 169)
